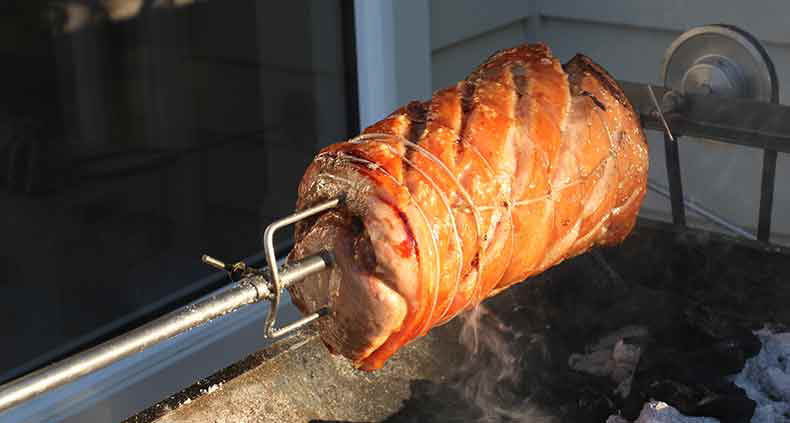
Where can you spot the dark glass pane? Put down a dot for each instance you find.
(135, 136)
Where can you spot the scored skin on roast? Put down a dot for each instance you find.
(525, 163)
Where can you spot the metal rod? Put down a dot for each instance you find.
(702, 211)
(672, 157)
(247, 291)
(766, 195)
(303, 321)
(659, 111)
(305, 267)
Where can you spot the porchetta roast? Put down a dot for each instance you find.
(449, 201)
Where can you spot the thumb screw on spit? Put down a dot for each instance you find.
(236, 271)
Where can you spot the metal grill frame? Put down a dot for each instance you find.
(748, 123)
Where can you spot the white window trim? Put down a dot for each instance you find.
(393, 40)
(392, 67)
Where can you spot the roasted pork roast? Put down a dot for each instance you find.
(449, 201)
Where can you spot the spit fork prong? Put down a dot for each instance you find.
(271, 260)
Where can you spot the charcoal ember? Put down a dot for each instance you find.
(696, 382)
(706, 364)
(703, 367)
(728, 408)
(681, 396)
(713, 324)
(591, 404)
(616, 419)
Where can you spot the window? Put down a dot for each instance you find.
(136, 135)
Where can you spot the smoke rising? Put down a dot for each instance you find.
(492, 370)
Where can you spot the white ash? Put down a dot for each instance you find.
(766, 378)
(612, 357)
(660, 412)
(625, 358)
(213, 388)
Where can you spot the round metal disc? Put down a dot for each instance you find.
(721, 60)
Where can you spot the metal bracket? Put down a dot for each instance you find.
(730, 63)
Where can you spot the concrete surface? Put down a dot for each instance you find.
(305, 383)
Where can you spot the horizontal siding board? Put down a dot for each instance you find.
(454, 63)
(766, 20)
(453, 21)
(629, 53)
(413, 50)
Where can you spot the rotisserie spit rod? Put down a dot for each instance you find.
(255, 285)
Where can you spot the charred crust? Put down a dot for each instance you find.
(580, 64)
(363, 252)
(594, 99)
(417, 113)
(356, 226)
(524, 49)
(475, 263)
(467, 92)
(519, 73)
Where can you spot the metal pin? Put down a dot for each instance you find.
(300, 323)
(660, 112)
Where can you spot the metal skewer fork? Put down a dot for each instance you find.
(271, 260)
(277, 283)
